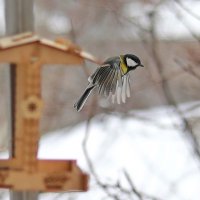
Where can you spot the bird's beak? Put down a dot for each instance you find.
(139, 65)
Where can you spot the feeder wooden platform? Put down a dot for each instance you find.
(24, 172)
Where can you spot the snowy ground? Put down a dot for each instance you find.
(154, 152)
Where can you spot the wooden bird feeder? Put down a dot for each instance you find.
(24, 172)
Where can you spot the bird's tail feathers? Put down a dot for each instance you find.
(80, 103)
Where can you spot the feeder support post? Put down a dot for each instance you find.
(19, 18)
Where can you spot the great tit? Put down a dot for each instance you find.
(112, 79)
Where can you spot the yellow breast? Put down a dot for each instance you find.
(123, 66)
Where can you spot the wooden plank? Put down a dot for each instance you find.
(73, 180)
(18, 53)
(57, 53)
(11, 163)
(18, 40)
(54, 44)
(5, 163)
(55, 165)
(89, 57)
(49, 55)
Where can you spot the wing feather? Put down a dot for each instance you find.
(128, 90)
(107, 88)
(114, 83)
(113, 98)
(102, 81)
(124, 89)
(119, 77)
(97, 76)
(111, 82)
(118, 93)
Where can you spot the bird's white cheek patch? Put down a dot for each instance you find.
(130, 62)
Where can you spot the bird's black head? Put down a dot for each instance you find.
(132, 61)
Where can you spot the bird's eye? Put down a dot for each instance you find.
(130, 62)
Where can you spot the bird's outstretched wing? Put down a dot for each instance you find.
(111, 83)
(122, 89)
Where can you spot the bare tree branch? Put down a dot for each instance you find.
(187, 10)
(106, 187)
(188, 69)
(103, 186)
(185, 24)
(187, 128)
(133, 188)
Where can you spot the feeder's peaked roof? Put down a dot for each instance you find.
(60, 44)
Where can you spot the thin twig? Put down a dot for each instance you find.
(73, 35)
(167, 92)
(185, 24)
(89, 161)
(133, 188)
(188, 69)
(187, 10)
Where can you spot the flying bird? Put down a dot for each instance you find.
(112, 79)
